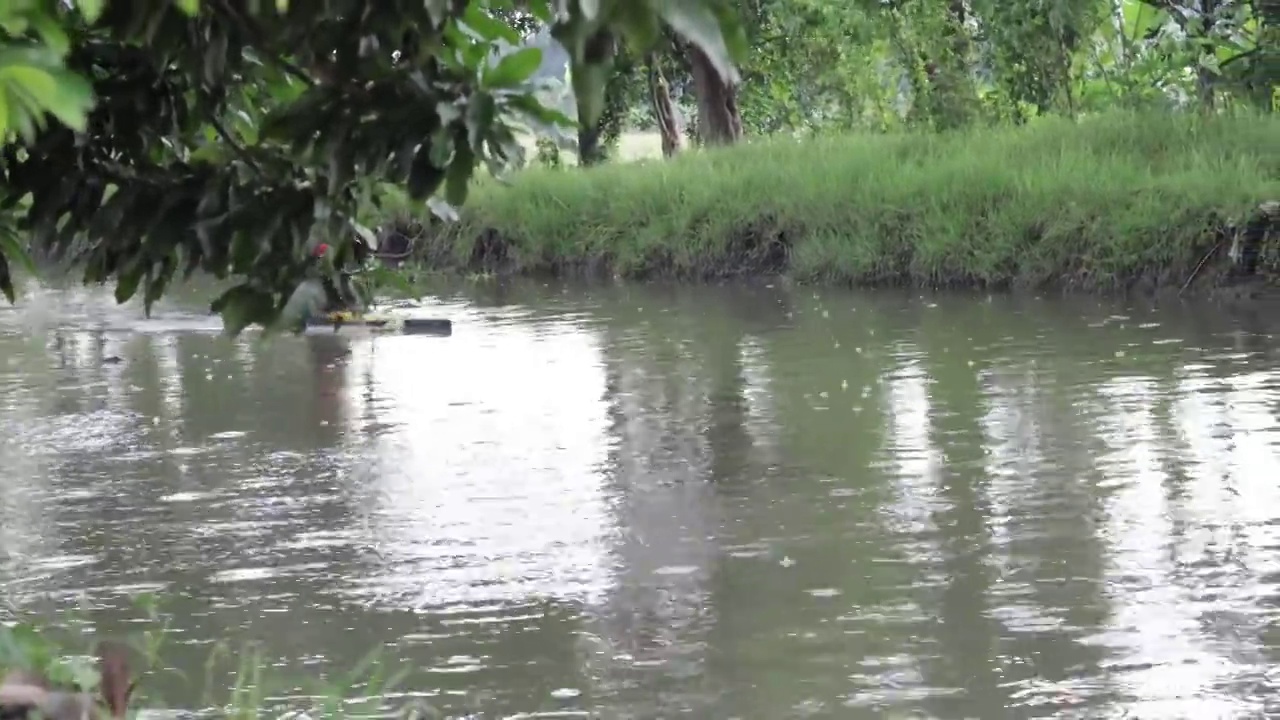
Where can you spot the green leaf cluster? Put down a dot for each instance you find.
(147, 141)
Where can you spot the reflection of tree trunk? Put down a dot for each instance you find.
(719, 122)
(328, 353)
(664, 110)
(727, 436)
(968, 636)
(652, 615)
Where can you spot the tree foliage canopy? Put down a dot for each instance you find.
(149, 139)
(940, 63)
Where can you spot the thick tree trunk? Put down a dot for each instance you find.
(719, 122)
(664, 110)
(590, 149)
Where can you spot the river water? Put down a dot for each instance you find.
(656, 502)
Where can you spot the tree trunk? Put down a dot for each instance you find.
(1205, 79)
(664, 110)
(719, 122)
(590, 150)
(945, 90)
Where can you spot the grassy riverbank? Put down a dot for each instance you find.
(1105, 202)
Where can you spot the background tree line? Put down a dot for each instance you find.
(143, 140)
(881, 65)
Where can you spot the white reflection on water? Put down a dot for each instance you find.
(466, 503)
(1022, 500)
(1152, 628)
(1171, 571)
(910, 450)
(169, 365)
(758, 397)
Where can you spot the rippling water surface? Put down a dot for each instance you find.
(655, 502)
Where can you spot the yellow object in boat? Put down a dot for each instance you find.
(342, 316)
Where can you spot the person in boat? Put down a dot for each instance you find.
(336, 309)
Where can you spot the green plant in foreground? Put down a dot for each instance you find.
(64, 658)
(24, 647)
(34, 80)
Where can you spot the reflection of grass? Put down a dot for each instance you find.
(363, 691)
(1108, 200)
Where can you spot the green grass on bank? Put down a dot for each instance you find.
(1102, 202)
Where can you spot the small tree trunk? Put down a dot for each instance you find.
(719, 122)
(1205, 79)
(950, 95)
(664, 110)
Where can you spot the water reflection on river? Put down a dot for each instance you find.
(752, 503)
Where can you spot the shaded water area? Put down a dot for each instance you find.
(645, 502)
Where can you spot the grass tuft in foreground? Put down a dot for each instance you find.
(236, 685)
(1101, 203)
